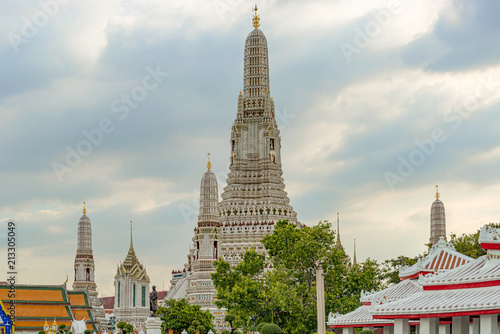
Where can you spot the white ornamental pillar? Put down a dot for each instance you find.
(347, 330)
(429, 326)
(444, 329)
(488, 324)
(153, 325)
(320, 296)
(401, 326)
(460, 325)
(388, 330)
(474, 326)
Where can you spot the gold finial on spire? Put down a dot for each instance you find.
(209, 164)
(131, 242)
(240, 91)
(84, 209)
(437, 192)
(256, 18)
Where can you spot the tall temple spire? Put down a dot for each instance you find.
(338, 244)
(209, 196)
(255, 194)
(131, 258)
(354, 262)
(84, 264)
(131, 289)
(256, 18)
(438, 220)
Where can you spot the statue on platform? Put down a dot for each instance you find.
(153, 297)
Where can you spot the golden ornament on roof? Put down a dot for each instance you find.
(84, 209)
(437, 192)
(256, 18)
(209, 164)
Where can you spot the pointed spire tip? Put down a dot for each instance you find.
(256, 18)
(209, 164)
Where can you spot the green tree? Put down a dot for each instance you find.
(125, 327)
(230, 318)
(178, 315)
(87, 331)
(391, 267)
(63, 329)
(468, 244)
(286, 295)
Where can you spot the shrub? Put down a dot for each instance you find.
(201, 328)
(225, 331)
(272, 329)
(259, 326)
(41, 332)
(366, 331)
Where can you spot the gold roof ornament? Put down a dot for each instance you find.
(209, 164)
(256, 18)
(84, 209)
(437, 192)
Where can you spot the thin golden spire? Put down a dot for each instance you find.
(131, 242)
(354, 261)
(256, 18)
(209, 164)
(338, 244)
(437, 192)
(84, 209)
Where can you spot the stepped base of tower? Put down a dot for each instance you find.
(137, 317)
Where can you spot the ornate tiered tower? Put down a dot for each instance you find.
(254, 198)
(132, 290)
(438, 220)
(84, 265)
(206, 241)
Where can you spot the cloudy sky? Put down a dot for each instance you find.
(377, 102)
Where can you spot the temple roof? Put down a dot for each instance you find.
(131, 265)
(441, 303)
(360, 317)
(473, 288)
(442, 256)
(398, 291)
(35, 303)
